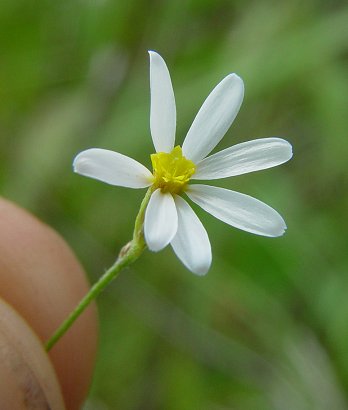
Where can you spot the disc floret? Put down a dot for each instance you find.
(171, 171)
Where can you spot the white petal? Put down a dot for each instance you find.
(112, 168)
(214, 118)
(191, 243)
(239, 210)
(161, 220)
(242, 158)
(163, 111)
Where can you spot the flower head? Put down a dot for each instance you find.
(168, 217)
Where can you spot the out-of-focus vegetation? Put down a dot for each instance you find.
(267, 328)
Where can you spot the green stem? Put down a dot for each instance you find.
(128, 254)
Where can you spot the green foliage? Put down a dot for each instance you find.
(267, 327)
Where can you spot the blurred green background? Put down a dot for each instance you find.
(267, 328)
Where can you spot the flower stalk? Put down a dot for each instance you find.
(128, 254)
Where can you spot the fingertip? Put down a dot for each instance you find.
(26, 373)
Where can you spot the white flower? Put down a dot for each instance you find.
(168, 217)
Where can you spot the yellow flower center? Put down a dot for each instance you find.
(171, 171)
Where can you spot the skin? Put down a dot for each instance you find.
(42, 280)
(27, 378)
